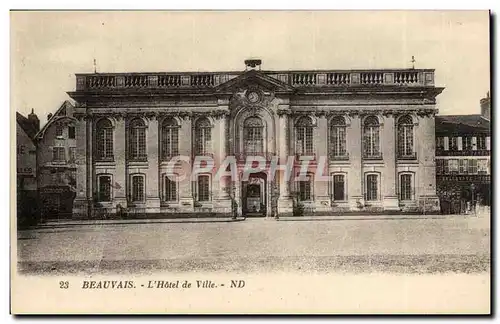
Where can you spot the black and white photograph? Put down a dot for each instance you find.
(177, 161)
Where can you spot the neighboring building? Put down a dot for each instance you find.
(375, 127)
(56, 149)
(463, 168)
(27, 206)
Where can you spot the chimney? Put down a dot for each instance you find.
(486, 106)
(33, 118)
(49, 116)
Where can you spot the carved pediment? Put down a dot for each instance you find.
(254, 79)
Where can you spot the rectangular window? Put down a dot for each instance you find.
(104, 186)
(474, 143)
(482, 166)
(71, 132)
(59, 131)
(204, 188)
(440, 143)
(446, 166)
(463, 166)
(138, 188)
(405, 190)
(439, 166)
(453, 165)
(472, 166)
(454, 144)
(488, 144)
(59, 154)
(338, 187)
(371, 187)
(305, 190)
(170, 188)
(481, 143)
(72, 154)
(467, 143)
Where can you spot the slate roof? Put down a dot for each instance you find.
(462, 124)
(26, 125)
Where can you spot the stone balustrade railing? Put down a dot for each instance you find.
(107, 81)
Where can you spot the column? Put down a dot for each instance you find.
(355, 180)
(120, 157)
(152, 174)
(321, 191)
(285, 202)
(389, 180)
(80, 205)
(185, 150)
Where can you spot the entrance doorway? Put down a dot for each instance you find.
(254, 195)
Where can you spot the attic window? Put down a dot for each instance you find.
(59, 131)
(71, 132)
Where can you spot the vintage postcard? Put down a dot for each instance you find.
(250, 162)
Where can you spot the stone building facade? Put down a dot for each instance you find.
(369, 133)
(26, 193)
(463, 165)
(56, 163)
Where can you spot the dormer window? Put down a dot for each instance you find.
(71, 132)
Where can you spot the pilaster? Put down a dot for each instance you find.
(285, 202)
(120, 157)
(153, 177)
(389, 183)
(322, 199)
(185, 145)
(355, 176)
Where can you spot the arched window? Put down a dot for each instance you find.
(169, 138)
(253, 140)
(405, 137)
(371, 137)
(104, 149)
(137, 140)
(203, 136)
(338, 137)
(304, 136)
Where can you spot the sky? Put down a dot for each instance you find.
(48, 48)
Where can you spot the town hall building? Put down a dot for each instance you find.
(374, 128)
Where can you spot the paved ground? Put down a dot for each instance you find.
(324, 244)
